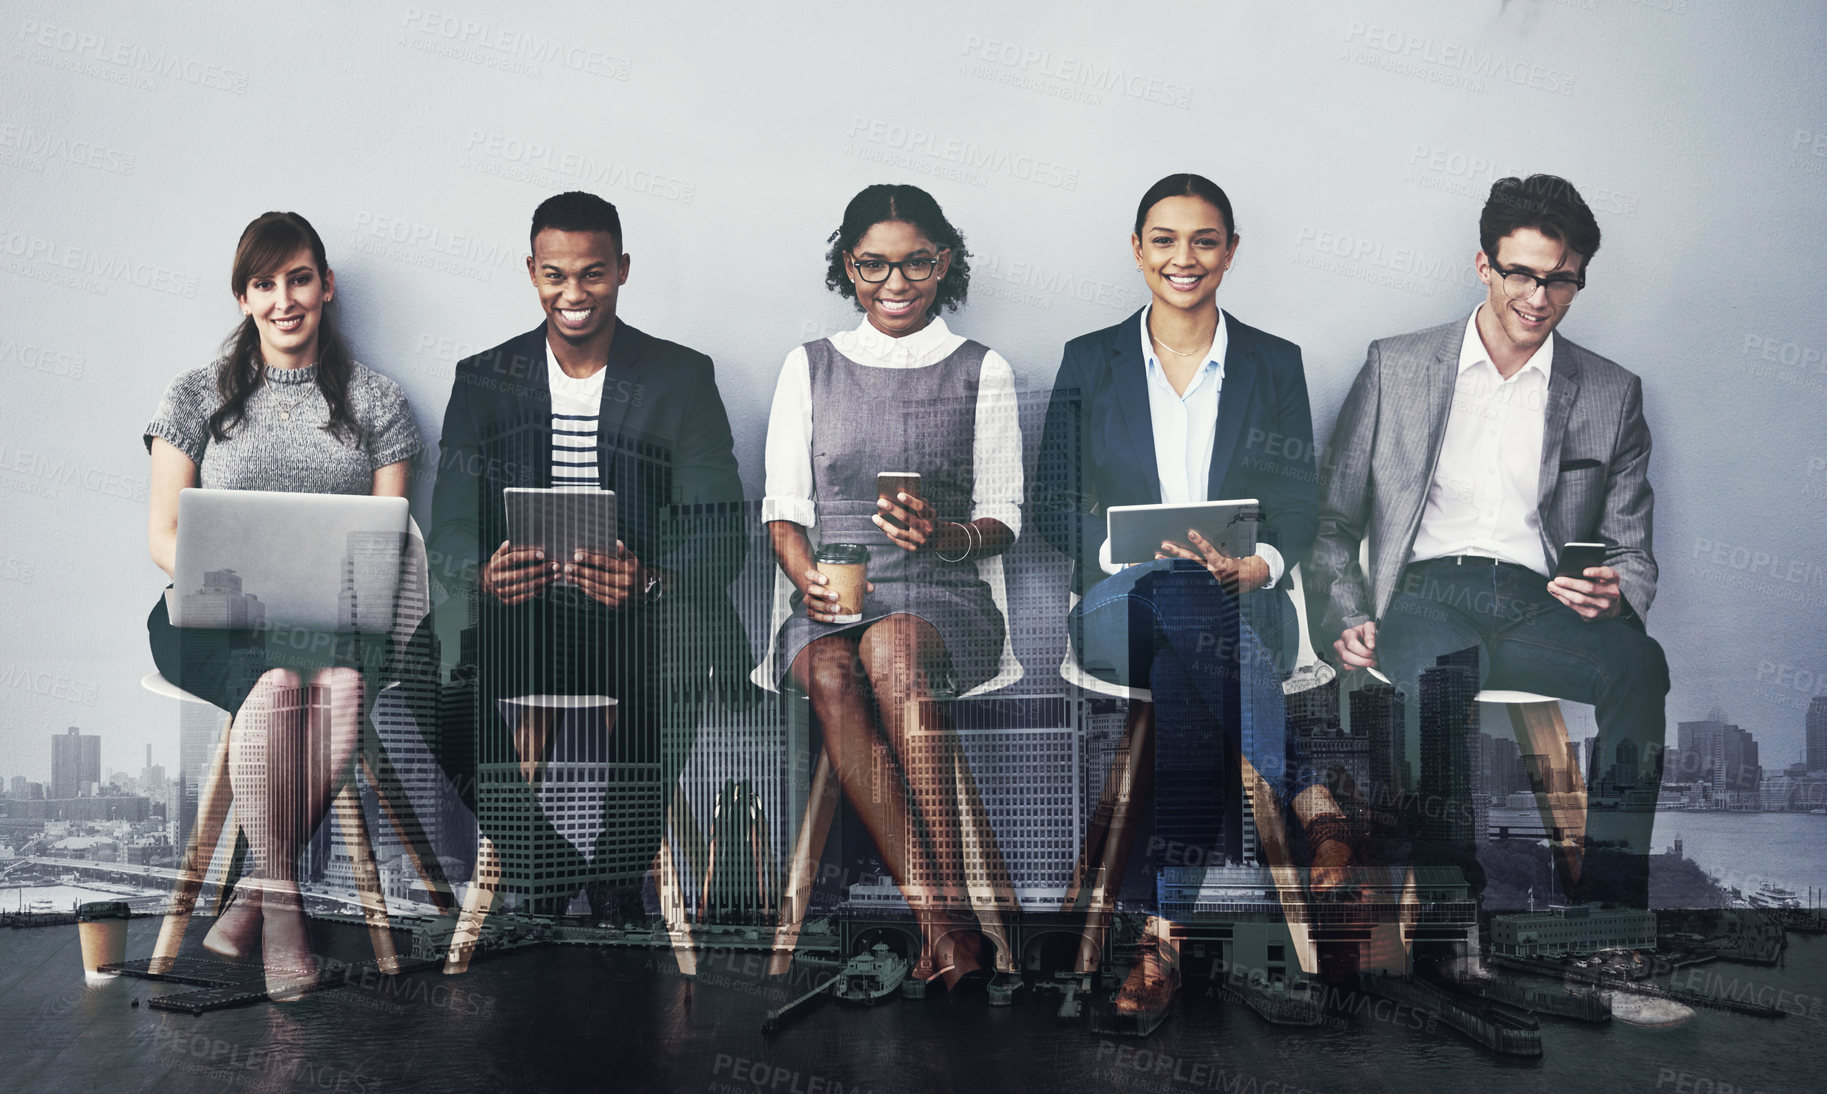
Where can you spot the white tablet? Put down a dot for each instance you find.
(561, 520)
(1137, 531)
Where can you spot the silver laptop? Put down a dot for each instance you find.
(276, 560)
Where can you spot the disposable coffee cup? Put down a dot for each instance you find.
(845, 566)
(102, 927)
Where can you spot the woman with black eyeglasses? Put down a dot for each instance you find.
(901, 393)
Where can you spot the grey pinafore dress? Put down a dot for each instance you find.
(866, 420)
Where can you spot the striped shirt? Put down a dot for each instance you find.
(576, 412)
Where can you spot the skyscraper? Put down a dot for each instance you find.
(611, 775)
(285, 773)
(734, 808)
(598, 790)
(1380, 715)
(75, 764)
(1103, 719)
(1448, 724)
(1699, 743)
(1715, 753)
(152, 778)
(367, 598)
(199, 726)
(1503, 766)
(219, 603)
(1315, 710)
(1816, 725)
(1739, 769)
(1190, 762)
(1023, 754)
(1342, 759)
(405, 714)
(1477, 774)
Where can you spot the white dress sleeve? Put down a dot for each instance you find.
(996, 450)
(787, 492)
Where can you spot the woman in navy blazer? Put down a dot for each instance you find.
(1182, 403)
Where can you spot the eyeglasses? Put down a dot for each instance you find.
(1520, 283)
(876, 271)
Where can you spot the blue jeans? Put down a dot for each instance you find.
(1525, 640)
(1168, 626)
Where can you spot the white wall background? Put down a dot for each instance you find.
(1356, 141)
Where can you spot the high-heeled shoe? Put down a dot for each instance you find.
(285, 946)
(232, 935)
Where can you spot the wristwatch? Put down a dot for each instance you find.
(655, 590)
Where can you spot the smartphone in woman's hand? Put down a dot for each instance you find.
(890, 483)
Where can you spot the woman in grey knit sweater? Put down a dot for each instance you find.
(285, 408)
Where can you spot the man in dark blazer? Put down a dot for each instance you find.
(1469, 454)
(586, 401)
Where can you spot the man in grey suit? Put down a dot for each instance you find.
(1470, 454)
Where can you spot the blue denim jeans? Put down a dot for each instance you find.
(1168, 626)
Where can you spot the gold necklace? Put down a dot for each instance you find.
(1170, 349)
(286, 408)
(1167, 347)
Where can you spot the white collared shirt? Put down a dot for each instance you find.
(1485, 498)
(1184, 426)
(996, 446)
(577, 406)
(1184, 423)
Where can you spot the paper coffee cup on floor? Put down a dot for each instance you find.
(102, 928)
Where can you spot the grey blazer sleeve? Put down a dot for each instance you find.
(1337, 597)
(1629, 505)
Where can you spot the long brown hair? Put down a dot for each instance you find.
(265, 245)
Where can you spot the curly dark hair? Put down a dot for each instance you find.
(910, 205)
